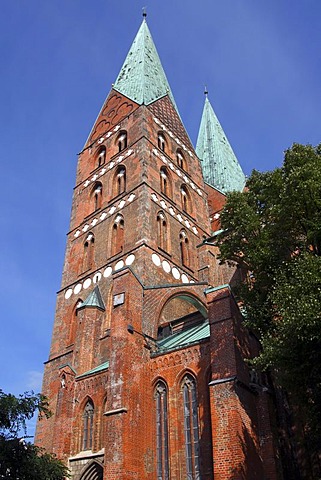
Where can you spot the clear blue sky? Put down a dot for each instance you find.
(261, 62)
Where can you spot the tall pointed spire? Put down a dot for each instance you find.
(142, 77)
(220, 166)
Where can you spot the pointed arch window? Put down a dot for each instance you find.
(89, 251)
(161, 142)
(101, 157)
(165, 182)
(122, 141)
(118, 235)
(185, 199)
(88, 422)
(180, 159)
(162, 233)
(184, 248)
(161, 431)
(96, 194)
(119, 185)
(191, 428)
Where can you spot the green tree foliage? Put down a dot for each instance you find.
(21, 460)
(272, 231)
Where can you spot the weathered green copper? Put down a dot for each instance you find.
(220, 166)
(194, 334)
(94, 299)
(142, 78)
(100, 368)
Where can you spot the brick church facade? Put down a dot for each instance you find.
(146, 375)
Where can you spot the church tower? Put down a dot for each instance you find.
(145, 377)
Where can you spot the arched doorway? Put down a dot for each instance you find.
(94, 471)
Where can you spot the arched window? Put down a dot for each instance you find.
(96, 194)
(88, 422)
(184, 248)
(119, 184)
(191, 427)
(180, 159)
(101, 157)
(117, 235)
(122, 141)
(162, 237)
(161, 141)
(89, 250)
(165, 182)
(186, 200)
(161, 431)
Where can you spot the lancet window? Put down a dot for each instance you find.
(89, 250)
(161, 431)
(184, 248)
(101, 157)
(97, 192)
(185, 199)
(120, 181)
(180, 159)
(191, 428)
(165, 182)
(162, 233)
(122, 141)
(118, 235)
(161, 141)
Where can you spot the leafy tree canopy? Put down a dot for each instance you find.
(273, 232)
(21, 460)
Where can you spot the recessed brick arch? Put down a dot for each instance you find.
(192, 304)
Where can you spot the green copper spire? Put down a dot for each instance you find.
(142, 78)
(94, 299)
(220, 166)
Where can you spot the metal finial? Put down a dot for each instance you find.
(144, 12)
(205, 90)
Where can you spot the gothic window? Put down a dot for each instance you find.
(89, 250)
(161, 142)
(165, 182)
(185, 198)
(97, 195)
(101, 157)
(118, 235)
(119, 186)
(88, 421)
(161, 431)
(162, 234)
(191, 428)
(180, 159)
(122, 141)
(184, 248)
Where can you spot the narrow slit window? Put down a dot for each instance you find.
(161, 431)
(191, 428)
(118, 235)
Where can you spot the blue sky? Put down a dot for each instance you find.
(261, 62)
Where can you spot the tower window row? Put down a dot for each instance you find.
(163, 146)
(119, 187)
(118, 238)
